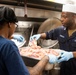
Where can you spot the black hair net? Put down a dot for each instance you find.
(7, 15)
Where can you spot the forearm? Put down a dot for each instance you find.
(11, 37)
(37, 69)
(74, 54)
(43, 35)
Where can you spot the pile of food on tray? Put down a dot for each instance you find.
(37, 52)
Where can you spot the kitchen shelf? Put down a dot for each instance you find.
(40, 4)
(31, 19)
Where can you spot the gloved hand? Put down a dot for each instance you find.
(36, 37)
(18, 37)
(65, 56)
(52, 59)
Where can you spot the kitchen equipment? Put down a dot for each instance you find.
(47, 25)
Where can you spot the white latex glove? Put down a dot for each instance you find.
(65, 56)
(52, 59)
(36, 37)
(18, 37)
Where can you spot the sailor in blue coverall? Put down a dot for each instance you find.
(11, 62)
(66, 43)
(66, 35)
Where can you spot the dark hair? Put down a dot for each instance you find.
(7, 15)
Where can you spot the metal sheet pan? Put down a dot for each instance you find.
(29, 61)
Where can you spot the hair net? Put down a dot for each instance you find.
(7, 15)
(69, 8)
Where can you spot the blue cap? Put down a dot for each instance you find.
(7, 15)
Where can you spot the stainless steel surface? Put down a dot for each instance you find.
(34, 3)
(32, 31)
(31, 35)
(26, 29)
(25, 32)
(48, 25)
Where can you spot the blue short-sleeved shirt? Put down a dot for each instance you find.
(66, 43)
(11, 62)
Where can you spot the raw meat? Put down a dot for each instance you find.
(34, 51)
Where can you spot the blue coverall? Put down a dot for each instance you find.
(11, 62)
(66, 43)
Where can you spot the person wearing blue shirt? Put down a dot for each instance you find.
(11, 62)
(66, 36)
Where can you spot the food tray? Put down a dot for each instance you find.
(29, 61)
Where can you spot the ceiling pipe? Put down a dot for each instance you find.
(25, 8)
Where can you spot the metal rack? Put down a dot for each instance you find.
(39, 4)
